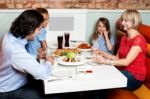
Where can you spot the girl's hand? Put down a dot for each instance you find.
(41, 55)
(40, 50)
(105, 34)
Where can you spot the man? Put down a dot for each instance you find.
(16, 62)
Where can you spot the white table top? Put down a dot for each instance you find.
(103, 77)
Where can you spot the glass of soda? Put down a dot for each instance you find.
(67, 36)
(60, 41)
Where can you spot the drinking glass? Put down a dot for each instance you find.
(67, 36)
(48, 52)
(60, 41)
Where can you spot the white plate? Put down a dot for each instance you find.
(81, 62)
(85, 50)
(61, 74)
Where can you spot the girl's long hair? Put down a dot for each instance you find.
(105, 21)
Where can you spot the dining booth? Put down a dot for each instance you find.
(144, 91)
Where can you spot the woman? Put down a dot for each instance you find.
(131, 53)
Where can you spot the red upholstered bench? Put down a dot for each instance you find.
(144, 91)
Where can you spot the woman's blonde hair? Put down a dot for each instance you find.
(133, 16)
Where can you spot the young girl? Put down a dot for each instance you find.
(102, 38)
(38, 46)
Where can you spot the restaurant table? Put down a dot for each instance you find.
(101, 77)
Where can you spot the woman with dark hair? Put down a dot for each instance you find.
(17, 62)
(102, 38)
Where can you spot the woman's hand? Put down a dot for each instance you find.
(99, 59)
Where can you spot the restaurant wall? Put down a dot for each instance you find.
(7, 16)
(77, 4)
(60, 22)
(113, 5)
(112, 15)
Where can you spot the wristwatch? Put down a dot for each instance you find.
(111, 62)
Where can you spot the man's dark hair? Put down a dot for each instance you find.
(26, 23)
(42, 10)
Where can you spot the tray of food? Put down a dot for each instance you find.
(71, 59)
(64, 51)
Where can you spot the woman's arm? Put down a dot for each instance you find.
(131, 56)
(105, 55)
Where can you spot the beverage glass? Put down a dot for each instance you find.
(60, 41)
(67, 36)
(48, 52)
(94, 54)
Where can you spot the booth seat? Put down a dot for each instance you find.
(144, 91)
